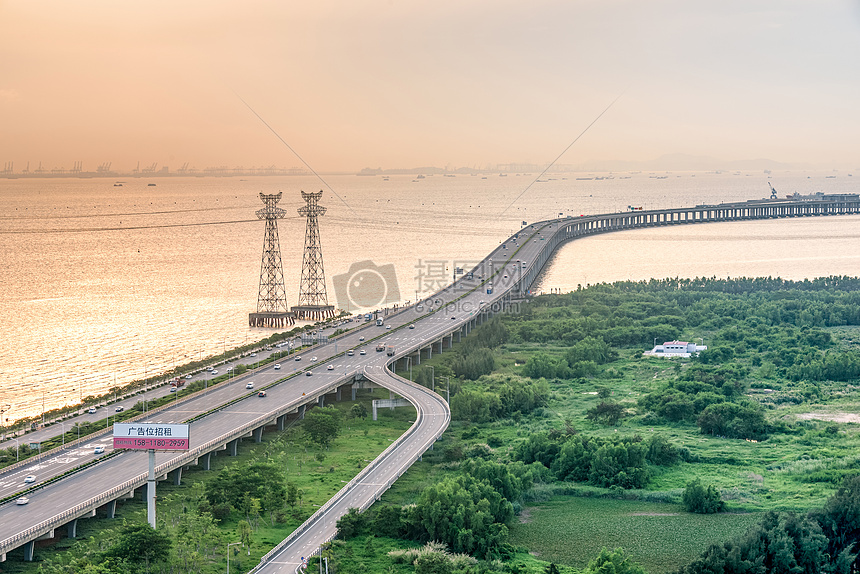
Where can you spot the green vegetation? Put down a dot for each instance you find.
(573, 399)
(571, 452)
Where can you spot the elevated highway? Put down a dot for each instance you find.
(501, 279)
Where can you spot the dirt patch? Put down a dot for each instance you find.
(655, 514)
(525, 516)
(834, 417)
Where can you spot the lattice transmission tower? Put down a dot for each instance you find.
(272, 298)
(313, 302)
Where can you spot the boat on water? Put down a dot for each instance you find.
(150, 185)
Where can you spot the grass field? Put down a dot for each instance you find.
(660, 537)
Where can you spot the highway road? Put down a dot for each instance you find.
(436, 317)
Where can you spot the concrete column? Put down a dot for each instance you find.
(258, 434)
(205, 460)
(111, 509)
(302, 412)
(353, 394)
(233, 447)
(373, 404)
(337, 395)
(177, 476)
(28, 551)
(72, 529)
(321, 401)
(150, 490)
(282, 420)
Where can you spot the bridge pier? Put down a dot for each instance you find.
(258, 435)
(111, 509)
(321, 401)
(205, 461)
(28, 551)
(233, 447)
(72, 528)
(281, 422)
(302, 412)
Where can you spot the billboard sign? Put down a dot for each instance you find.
(145, 436)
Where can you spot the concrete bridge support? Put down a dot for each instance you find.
(177, 476)
(281, 422)
(205, 460)
(233, 447)
(111, 509)
(321, 401)
(258, 434)
(72, 528)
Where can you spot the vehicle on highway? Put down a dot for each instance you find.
(261, 394)
(250, 385)
(390, 351)
(308, 373)
(330, 367)
(388, 326)
(361, 338)
(29, 478)
(350, 353)
(313, 359)
(209, 369)
(253, 354)
(411, 326)
(453, 318)
(99, 450)
(278, 367)
(362, 352)
(92, 410)
(120, 408)
(22, 501)
(172, 389)
(298, 358)
(214, 372)
(380, 347)
(187, 377)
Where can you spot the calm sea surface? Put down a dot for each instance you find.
(104, 284)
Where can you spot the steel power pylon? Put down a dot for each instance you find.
(313, 302)
(272, 299)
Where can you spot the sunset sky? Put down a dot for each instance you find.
(402, 83)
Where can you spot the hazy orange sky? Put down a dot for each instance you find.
(402, 83)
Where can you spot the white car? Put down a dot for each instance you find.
(330, 367)
(362, 352)
(99, 450)
(411, 326)
(30, 478)
(250, 385)
(214, 372)
(187, 377)
(253, 354)
(22, 501)
(278, 367)
(313, 359)
(361, 338)
(350, 353)
(388, 326)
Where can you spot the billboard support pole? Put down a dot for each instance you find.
(150, 489)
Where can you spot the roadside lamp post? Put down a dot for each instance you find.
(433, 371)
(16, 449)
(447, 388)
(228, 554)
(64, 435)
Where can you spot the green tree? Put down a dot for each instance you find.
(702, 500)
(322, 425)
(607, 413)
(614, 562)
(141, 544)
